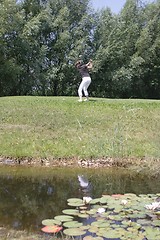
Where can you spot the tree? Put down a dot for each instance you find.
(62, 29)
(127, 51)
(104, 48)
(11, 23)
(148, 49)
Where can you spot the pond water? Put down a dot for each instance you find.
(30, 194)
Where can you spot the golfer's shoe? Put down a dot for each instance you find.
(80, 100)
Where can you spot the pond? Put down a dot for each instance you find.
(30, 194)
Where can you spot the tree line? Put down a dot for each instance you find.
(40, 41)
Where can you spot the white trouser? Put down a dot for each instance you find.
(84, 86)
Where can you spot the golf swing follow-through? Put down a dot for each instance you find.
(86, 79)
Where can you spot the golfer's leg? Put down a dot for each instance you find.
(85, 87)
(80, 91)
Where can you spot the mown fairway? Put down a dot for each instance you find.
(55, 127)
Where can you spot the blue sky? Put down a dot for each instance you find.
(114, 5)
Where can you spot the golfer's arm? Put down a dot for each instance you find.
(89, 64)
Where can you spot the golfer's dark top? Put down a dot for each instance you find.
(83, 70)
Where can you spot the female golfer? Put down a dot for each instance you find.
(86, 79)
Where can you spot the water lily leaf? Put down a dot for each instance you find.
(85, 227)
(151, 216)
(76, 204)
(92, 238)
(126, 223)
(118, 217)
(96, 224)
(133, 230)
(103, 200)
(156, 223)
(91, 211)
(95, 201)
(88, 238)
(105, 214)
(98, 238)
(51, 222)
(118, 209)
(74, 200)
(111, 234)
(130, 195)
(72, 224)
(101, 224)
(105, 206)
(143, 196)
(93, 229)
(83, 215)
(106, 196)
(51, 229)
(104, 224)
(73, 212)
(143, 222)
(138, 215)
(136, 225)
(104, 230)
(152, 233)
(63, 218)
(74, 232)
(96, 206)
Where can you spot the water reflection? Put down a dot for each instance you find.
(29, 195)
(85, 186)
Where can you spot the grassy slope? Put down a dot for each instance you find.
(52, 127)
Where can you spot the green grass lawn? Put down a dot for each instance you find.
(61, 127)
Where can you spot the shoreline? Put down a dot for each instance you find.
(148, 165)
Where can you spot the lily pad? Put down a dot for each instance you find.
(88, 238)
(112, 234)
(83, 215)
(156, 223)
(74, 232)
(93, 229)
(75, 200)
(92, 238)
(85, 227)
(73, 212)
(51, 222)
(97, 223)
(75, 204)
(51, 229)
(98, 238)
(95, 201)
(144, 222)
(72, 224)
(63, 218)
(103, 200)
(91, 211)
(152, 233)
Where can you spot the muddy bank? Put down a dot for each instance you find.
(150, 165)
